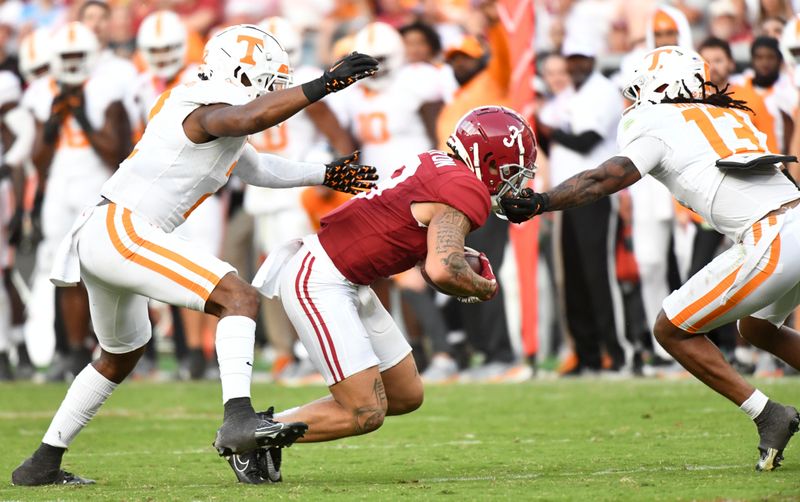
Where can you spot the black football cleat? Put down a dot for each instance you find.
(31, 474)
(260, 431)
(258, 466)
(262, 465)
(776, 425)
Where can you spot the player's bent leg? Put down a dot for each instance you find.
(357, 405)
(404, 389)
(776, 423)
(702, 359)
(236, 304)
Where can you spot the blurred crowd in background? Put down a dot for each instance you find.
(580, 289)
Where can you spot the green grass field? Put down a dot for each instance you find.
(565, 440)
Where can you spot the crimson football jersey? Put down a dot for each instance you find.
(375, 234)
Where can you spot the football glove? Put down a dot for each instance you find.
(77, 105)
(524, 207)
(345, 175)
(347, 71)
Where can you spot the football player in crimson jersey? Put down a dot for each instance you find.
(420, 215)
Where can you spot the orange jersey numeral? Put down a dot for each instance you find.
(373, 127)
(72, 137)
(708, 123)
(274, 139)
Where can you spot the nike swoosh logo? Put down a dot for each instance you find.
(239, 465)
(332, 68)
(249, 364)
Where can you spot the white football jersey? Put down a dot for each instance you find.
(387, 123)
(74, 156)
(167, 175)
(679, 145)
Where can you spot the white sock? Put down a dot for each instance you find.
(87, 393)
(754, 404)
(286, 413)
(236, 337)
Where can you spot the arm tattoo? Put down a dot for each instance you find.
(612, 176)
(369, 418)
(450, 227)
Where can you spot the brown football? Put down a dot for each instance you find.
(473, 260)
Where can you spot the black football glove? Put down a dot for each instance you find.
(344, 175)
(347, 71)
(77, 105)
(524, 207)
(60, 108)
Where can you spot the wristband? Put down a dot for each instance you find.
(314, 90)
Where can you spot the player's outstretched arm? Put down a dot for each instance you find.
(445, 263)
(272, 171)
(209, 122)
(584, 188)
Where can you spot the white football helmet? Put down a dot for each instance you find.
(790, 45)
(35, 54)
(287, 35)
(248, 57)
(385, 44)
(74, 54)
(162, 40)
(667, 72)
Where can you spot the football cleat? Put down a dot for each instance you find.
(31, 474)
(776, 425)
(258, 466)
(242, 436)
(262, 465)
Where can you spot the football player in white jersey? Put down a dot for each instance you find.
(699, 143)
(393, 114)
(83, 133)
(162, 41)
(16, 142)
(122, 249)
(279, 215)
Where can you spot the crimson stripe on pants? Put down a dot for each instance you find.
(322, 323)
(308, 313)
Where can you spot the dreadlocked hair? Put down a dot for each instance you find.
(720, 97)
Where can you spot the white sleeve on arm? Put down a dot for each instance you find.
(21, 124)
(272, 171)
(646, 153)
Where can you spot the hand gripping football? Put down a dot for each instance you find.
(473, 259)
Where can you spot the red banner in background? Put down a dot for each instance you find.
(518, 19)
